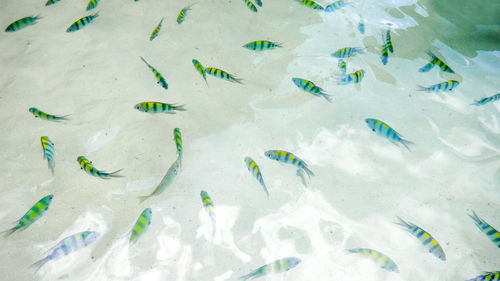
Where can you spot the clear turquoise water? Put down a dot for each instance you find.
(361, 183)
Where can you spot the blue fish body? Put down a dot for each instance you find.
(386, 131)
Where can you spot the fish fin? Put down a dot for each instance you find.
(246, 277)
(309, 172)
(475, 217)
(300, 174)
(114, 174)
(406, 143)
(8, 232)
(327, 97)
(403, 223)
(143, 198)
(237, 80)
(180, 107)
(37, 265)
(65, 117)
(96, 15)
(421, 88)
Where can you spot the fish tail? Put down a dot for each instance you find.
(327, 97)
(421, 88)
(402, 223)
(65, 117)
(143, 198)
(237, 80)
(110, 175)
(180, 107)
(246, 277)
(476, 219)
(8, 232)
(406, 143)
(52, 166)
(37, 265)
(308, 172)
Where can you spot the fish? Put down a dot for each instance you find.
(87, 166)
(355, 77)
(337, 5)
(45, 116)
(159, 78)
(92, 4)
(311, 4)
(182, 14)
(424, 237)
(22, 23)
(487, 276)
(261, 45)
(342, 67)
(48, 152)
(166, 181)
(141, 225)
(254, 169)
(68, 245)
(486, 100)
(51, 2)
(158, 107)
(311, 88)
(178, 142)
(250, 5)
(388, 41)
(445, 86)
(385, 55)
(427, 67)
(384, 130)
(290, 158)
(258, 2)
(442, 65)
(209, 206)
(222, 75)
(379, 258)
(200, 69)
(156, 31)
(347, 52)
(32, 215)
(487, 229)
(77, 25)
(278, 266)
(361, 25)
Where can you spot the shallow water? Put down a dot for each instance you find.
(362, 181)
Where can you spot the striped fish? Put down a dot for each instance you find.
(156, 31)
(51, 2)
(445, 86)
(48, 152)
(361, 25)
(182, 14)
(347, 52)
(342, 67)
(337, 5)
(158, 107)
(487, 276)
(278, 266)
(200, 69)
(222, 74)
(40, 114)
(261, 45)
(380, 259)
(22, 23)
(209, 206)
(311, 88)
(68, 245)
(258, 2)
(487, 229)
(141, 225)
(250, 5)
(355, 77)
(424, 237)
(87, 166)
(178, 142)
(388, 41)
(288, 157)
(486, 100)
(77, 25)
(385, 55)
(159, 78)
(92, 4)
(167, 180)
(384, 130)
(311, 4)
(32, 215)
(442, 65)
(254, 169)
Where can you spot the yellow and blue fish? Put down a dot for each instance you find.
(445, 86)
(87, 166)
(32, 215)
(311, 4)
(379, 258)
(250, 5)
(486, 100)
(222, 75)
(209, 206)
(167, 180)
(159, 78)
(258, 2)
(424, 237)
(141, 225)
(77, 25)
(487, 276)
(435, 61)
(182, 14)
(388, 41)
(51, 2)
(355, 77)
(288, 157)
(487, 229)
(278, 266)
(200, 69)
(92, 4)
(385, 54)
(158, 107)
(337, 5)
(48, 152)
(261, 45)
(254, 169)
(342, 67)
(178, 142)
(156, 31)
(42, 115)
(384, 130)
(311, 88)
(347, 52)
(22, 23)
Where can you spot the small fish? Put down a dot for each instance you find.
(487, 229)
(178, 142)
(222, 74)
(254, 169)
(141, 225)
(347, 52)
(261, 45)
(159, 78)
(355, 77)
(51, 2)
(311, 88)
(388, 41)
(209, 206)
(22, 23)
(484, 101)
(380, 259)
(166, 181)
(288, 157)
(424, 237)
(156, 31)
(337, 5)
(384, 130)
(361, 25)
(33, 214)
(48, 152)
(278, 266)
(258, 2)
(445, 86)
(92, 4)
(68, 245)
(250, 5)
(435, 60)
(182, 14)
(487, 276)
(200, 69)
(45, 116)
(87, 166)
(385, 55)
(342, 67)
(311, 4)
(158, 107)
(77, 25)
